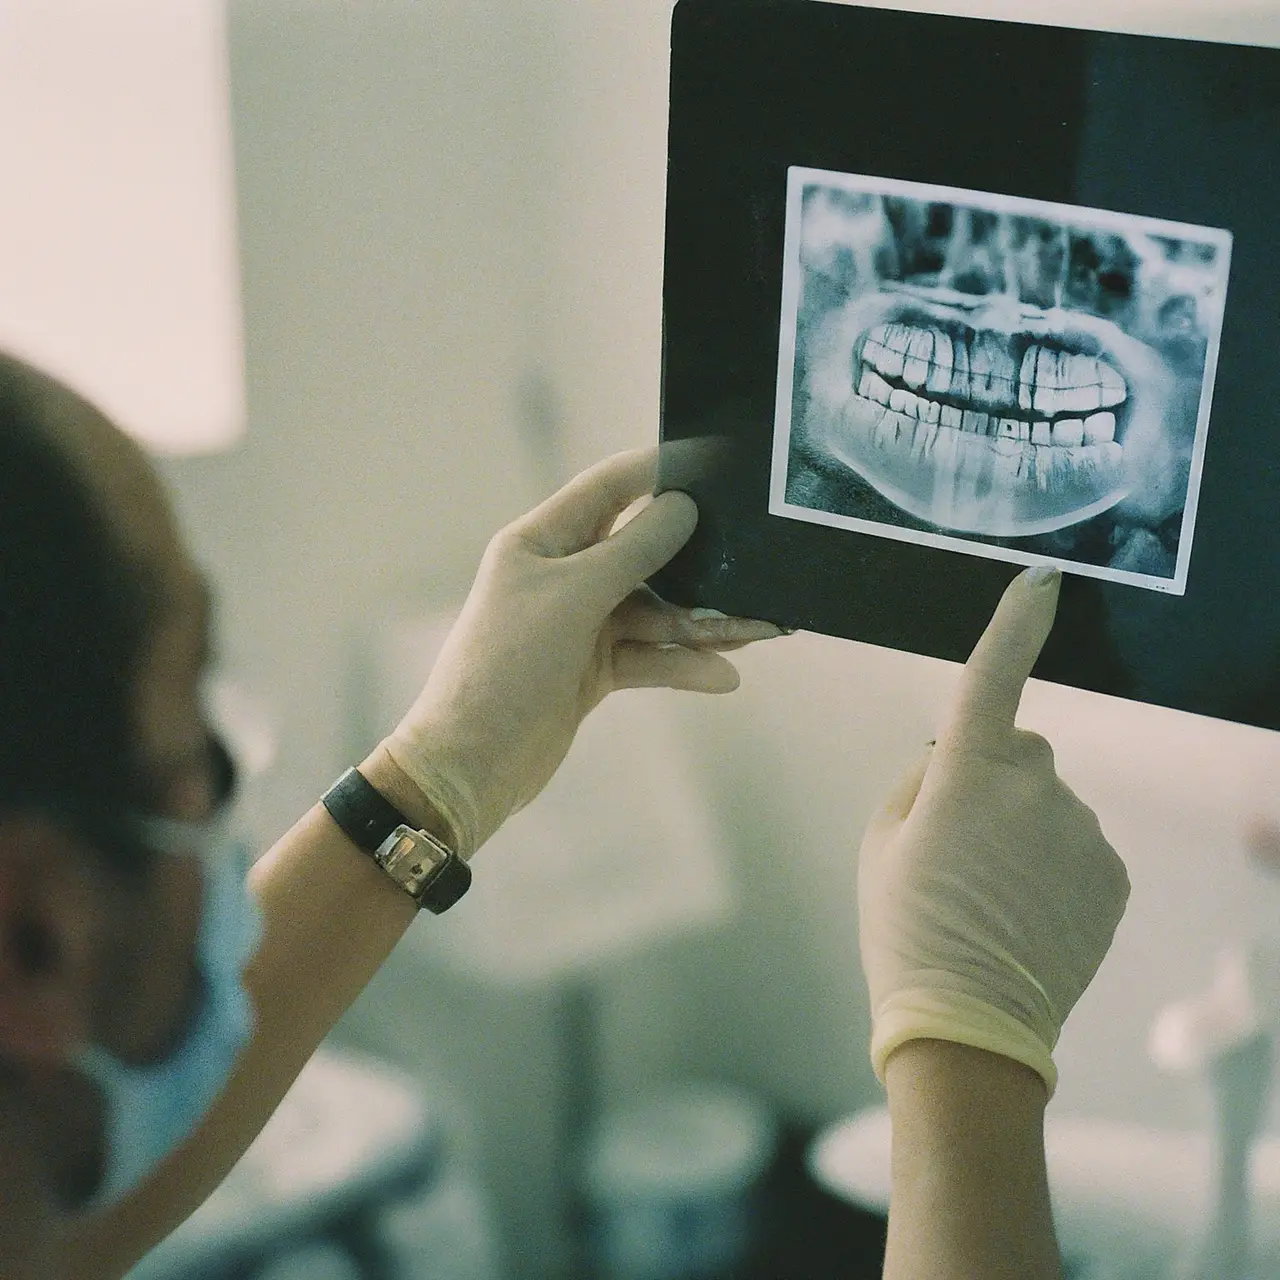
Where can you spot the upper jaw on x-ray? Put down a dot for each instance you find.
(982, 379)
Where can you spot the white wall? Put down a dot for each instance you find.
(438, 200)
(391, 162)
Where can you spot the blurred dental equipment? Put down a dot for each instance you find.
(324, 1190)
(319, 1261)
(1225, 1035)
(670, 1180)
(1123, 1194)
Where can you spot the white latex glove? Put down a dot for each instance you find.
(987, 893)
(557, 618)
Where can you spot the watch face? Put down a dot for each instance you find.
(412, 858)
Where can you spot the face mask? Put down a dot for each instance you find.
(151, 1109)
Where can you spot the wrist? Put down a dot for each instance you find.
(380, 769)
(941, 1082)
(970, 1194)
(954, 1017)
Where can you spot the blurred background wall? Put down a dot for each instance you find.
(451, 220)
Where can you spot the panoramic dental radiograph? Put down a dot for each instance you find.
(1029, 379)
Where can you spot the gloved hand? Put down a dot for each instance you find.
(557, 618)
(987, 893)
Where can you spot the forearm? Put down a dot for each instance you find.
(330, 918)
(970, 1193)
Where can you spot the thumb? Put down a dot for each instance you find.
(897, 804)
(622, 561)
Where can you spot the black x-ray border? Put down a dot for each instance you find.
(1171, 129)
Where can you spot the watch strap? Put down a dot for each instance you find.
(369, 820)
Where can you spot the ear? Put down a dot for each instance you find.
(50, 920)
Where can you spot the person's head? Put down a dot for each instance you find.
(103, 641)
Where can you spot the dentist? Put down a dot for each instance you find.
(156, 1003)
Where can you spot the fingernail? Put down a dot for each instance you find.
(699, 614)
(719, 627)
(1042, 575)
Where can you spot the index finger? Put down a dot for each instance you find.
(575, 517)
(986, 702)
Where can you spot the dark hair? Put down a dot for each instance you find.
(74, 618)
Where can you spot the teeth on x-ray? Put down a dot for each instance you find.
(972, 415)
(976, 386)
(1046, 381)
(993, 373)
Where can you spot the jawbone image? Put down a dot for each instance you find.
(996, 375)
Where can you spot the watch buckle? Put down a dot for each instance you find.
(412, 858)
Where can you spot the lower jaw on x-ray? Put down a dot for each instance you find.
(1016, 400)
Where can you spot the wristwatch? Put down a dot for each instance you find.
(424, 866)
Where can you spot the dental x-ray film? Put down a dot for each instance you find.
(946, 297)
(1005, 377)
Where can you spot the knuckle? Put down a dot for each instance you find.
(1124, 884)
(1035, 745)
(504, 542)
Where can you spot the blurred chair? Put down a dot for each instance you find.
(352, 1139)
